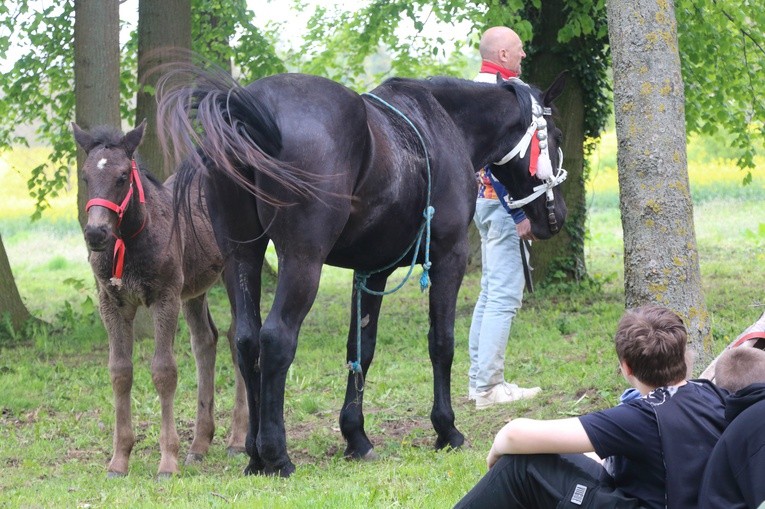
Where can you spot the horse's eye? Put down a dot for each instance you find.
(123, 178)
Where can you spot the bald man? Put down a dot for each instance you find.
(501, 231)
(502, 51)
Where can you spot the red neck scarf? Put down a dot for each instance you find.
(493, 68)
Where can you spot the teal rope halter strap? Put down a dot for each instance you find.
(360, 278)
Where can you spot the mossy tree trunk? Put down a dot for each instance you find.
(661, 262)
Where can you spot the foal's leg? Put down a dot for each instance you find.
(164, 374)
(352, 414)
(239, 416)
(204, 339)
(295, 293)
(119, 326)
(446, 277)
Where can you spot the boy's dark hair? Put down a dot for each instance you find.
(738, 367)
(651, 340)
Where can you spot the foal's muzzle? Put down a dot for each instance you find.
(96, 237)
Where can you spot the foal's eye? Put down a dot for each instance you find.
(122, 179)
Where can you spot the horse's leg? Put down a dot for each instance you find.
(204, 339)
(243, 280)
(352, 414)
(446, 277)
(164, 374)
(119, 326)
(295, 293)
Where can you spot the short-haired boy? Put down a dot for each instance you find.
(735, 474)
(675, 423)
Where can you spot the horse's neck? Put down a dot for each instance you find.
(474, 112)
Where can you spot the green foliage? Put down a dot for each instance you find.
(722, 71)
(39, 88)
(222, 31)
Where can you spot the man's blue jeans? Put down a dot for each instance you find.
(501, 294)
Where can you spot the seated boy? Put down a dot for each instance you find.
(675, 422)
(735, 474)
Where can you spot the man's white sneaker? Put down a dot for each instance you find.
(504, 393)
(471, 393)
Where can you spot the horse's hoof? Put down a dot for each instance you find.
(255, 467)
(115, 475)
(194, 458)
(285, 471)
(236, 450)
(454, 441)
(164, 476)
(371, 455)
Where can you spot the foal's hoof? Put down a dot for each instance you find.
(194, 458)
(115, 475)
(164, 476)
(235, 451)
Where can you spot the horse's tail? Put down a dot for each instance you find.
(217, 124)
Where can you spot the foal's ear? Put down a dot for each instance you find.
(83, 138)
(132, 139)
(500, 79)
(556, 89)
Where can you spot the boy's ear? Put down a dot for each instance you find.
(626, 369)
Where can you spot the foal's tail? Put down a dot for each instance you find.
(217, 124)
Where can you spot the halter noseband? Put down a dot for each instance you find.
(119, 245)
(539, 163)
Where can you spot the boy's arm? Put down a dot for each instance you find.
(529, 436)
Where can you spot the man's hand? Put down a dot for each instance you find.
(524, 230)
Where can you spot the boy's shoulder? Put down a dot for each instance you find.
(700, 390)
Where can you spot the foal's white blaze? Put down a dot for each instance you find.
(101, 163)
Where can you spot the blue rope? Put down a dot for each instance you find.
(360, 278)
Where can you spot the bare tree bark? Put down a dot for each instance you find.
(11, 304)
(661, 262)
(164, 26)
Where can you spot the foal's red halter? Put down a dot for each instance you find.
(119, 245)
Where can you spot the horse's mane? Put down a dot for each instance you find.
(522, 90)
(111, 137)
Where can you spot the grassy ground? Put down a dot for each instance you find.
(56, 411)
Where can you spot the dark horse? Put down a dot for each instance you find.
(331, 176)
(138, 258)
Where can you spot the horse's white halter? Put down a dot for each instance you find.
(544, 172)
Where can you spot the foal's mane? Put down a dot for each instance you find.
(111, 138)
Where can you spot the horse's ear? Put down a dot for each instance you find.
(83, 138)
(132, 139)
(500, 79)
(556, 89)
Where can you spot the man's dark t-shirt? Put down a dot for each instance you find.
(629, 436)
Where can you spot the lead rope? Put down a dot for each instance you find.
(360, 278)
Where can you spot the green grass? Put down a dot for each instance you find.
(56, 412)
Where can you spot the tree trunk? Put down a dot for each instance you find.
(11, 304)
(96, 73)
(563, 253)
(661, 262)
(164, 28)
